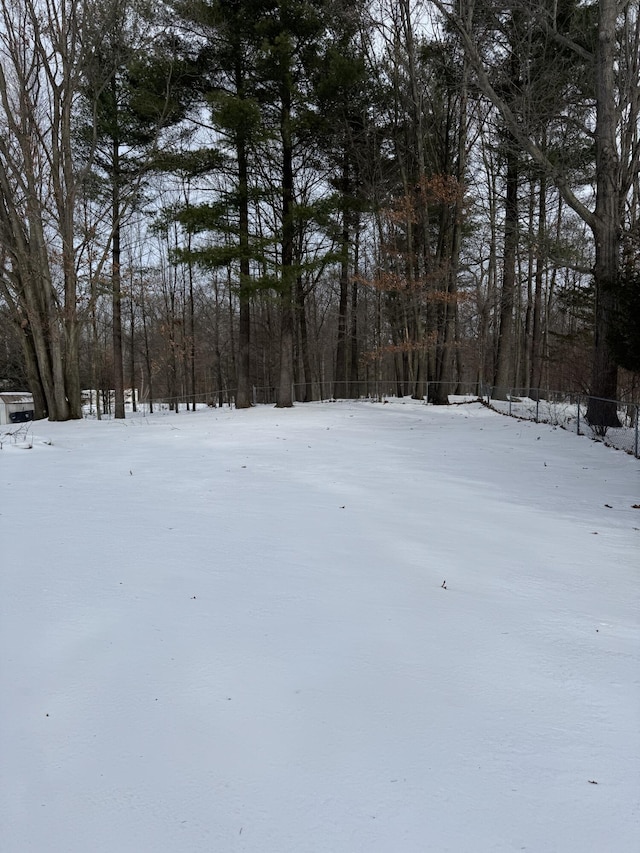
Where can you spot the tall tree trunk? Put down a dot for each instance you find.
(615, 81)
(606, 224)
(116, 281)
(354, 386)
(307, 391)
(528, 312)
(192, 334)
(287, 279)
(28, 351)
(448, 363)
(504, 362)
(33, 376)
(243, 391)
(147, 348)
(132, 350)
(64, 189)
(601, 411)
(535, 377)
(340, 376)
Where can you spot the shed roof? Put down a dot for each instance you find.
(16, 397)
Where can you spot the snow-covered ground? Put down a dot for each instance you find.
(571, 414)
(342, 628)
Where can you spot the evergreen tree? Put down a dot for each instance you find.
(291, 34)
(342, 92)
(224, 62)
(134, 89)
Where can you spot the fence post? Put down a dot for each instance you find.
(537, 408)
(637, 455)
(426, 391)
(510, 396)
(578, 430)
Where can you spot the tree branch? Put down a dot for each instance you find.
(514, 127)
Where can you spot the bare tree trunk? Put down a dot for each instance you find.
(147, 349)
(27, 346)
(535, 376)
(243, 391)
(132, 349)
(192, 335)
(116, 284)
(285, 383)
(448, 364)
(307, 392)
(354, 373)
(40, 50)
(342, 352)
(606, 223)
(504, 365)
(617, 160)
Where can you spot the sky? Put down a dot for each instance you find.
(339, 628)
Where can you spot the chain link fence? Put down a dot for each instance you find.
(557, 408)
(569, 411)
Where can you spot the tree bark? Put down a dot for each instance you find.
(340, 376)
(354, 385)
(504, 362)
(37, 194)
(614, 176)
(607, 225)
(535, 376)
(307, 390)
(287, 277)
(116, 284)
(243, 391)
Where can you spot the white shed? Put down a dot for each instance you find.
(16, 407)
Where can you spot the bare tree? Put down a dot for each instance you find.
(614, 65)
(41, 57)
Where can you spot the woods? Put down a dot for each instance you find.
(247, 200)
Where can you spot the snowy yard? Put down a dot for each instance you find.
(342, 628)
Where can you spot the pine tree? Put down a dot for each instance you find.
(133, 90)
(223, 59)
(342, 91)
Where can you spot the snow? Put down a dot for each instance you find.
(228, 631)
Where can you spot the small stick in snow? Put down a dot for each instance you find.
(444, 584)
